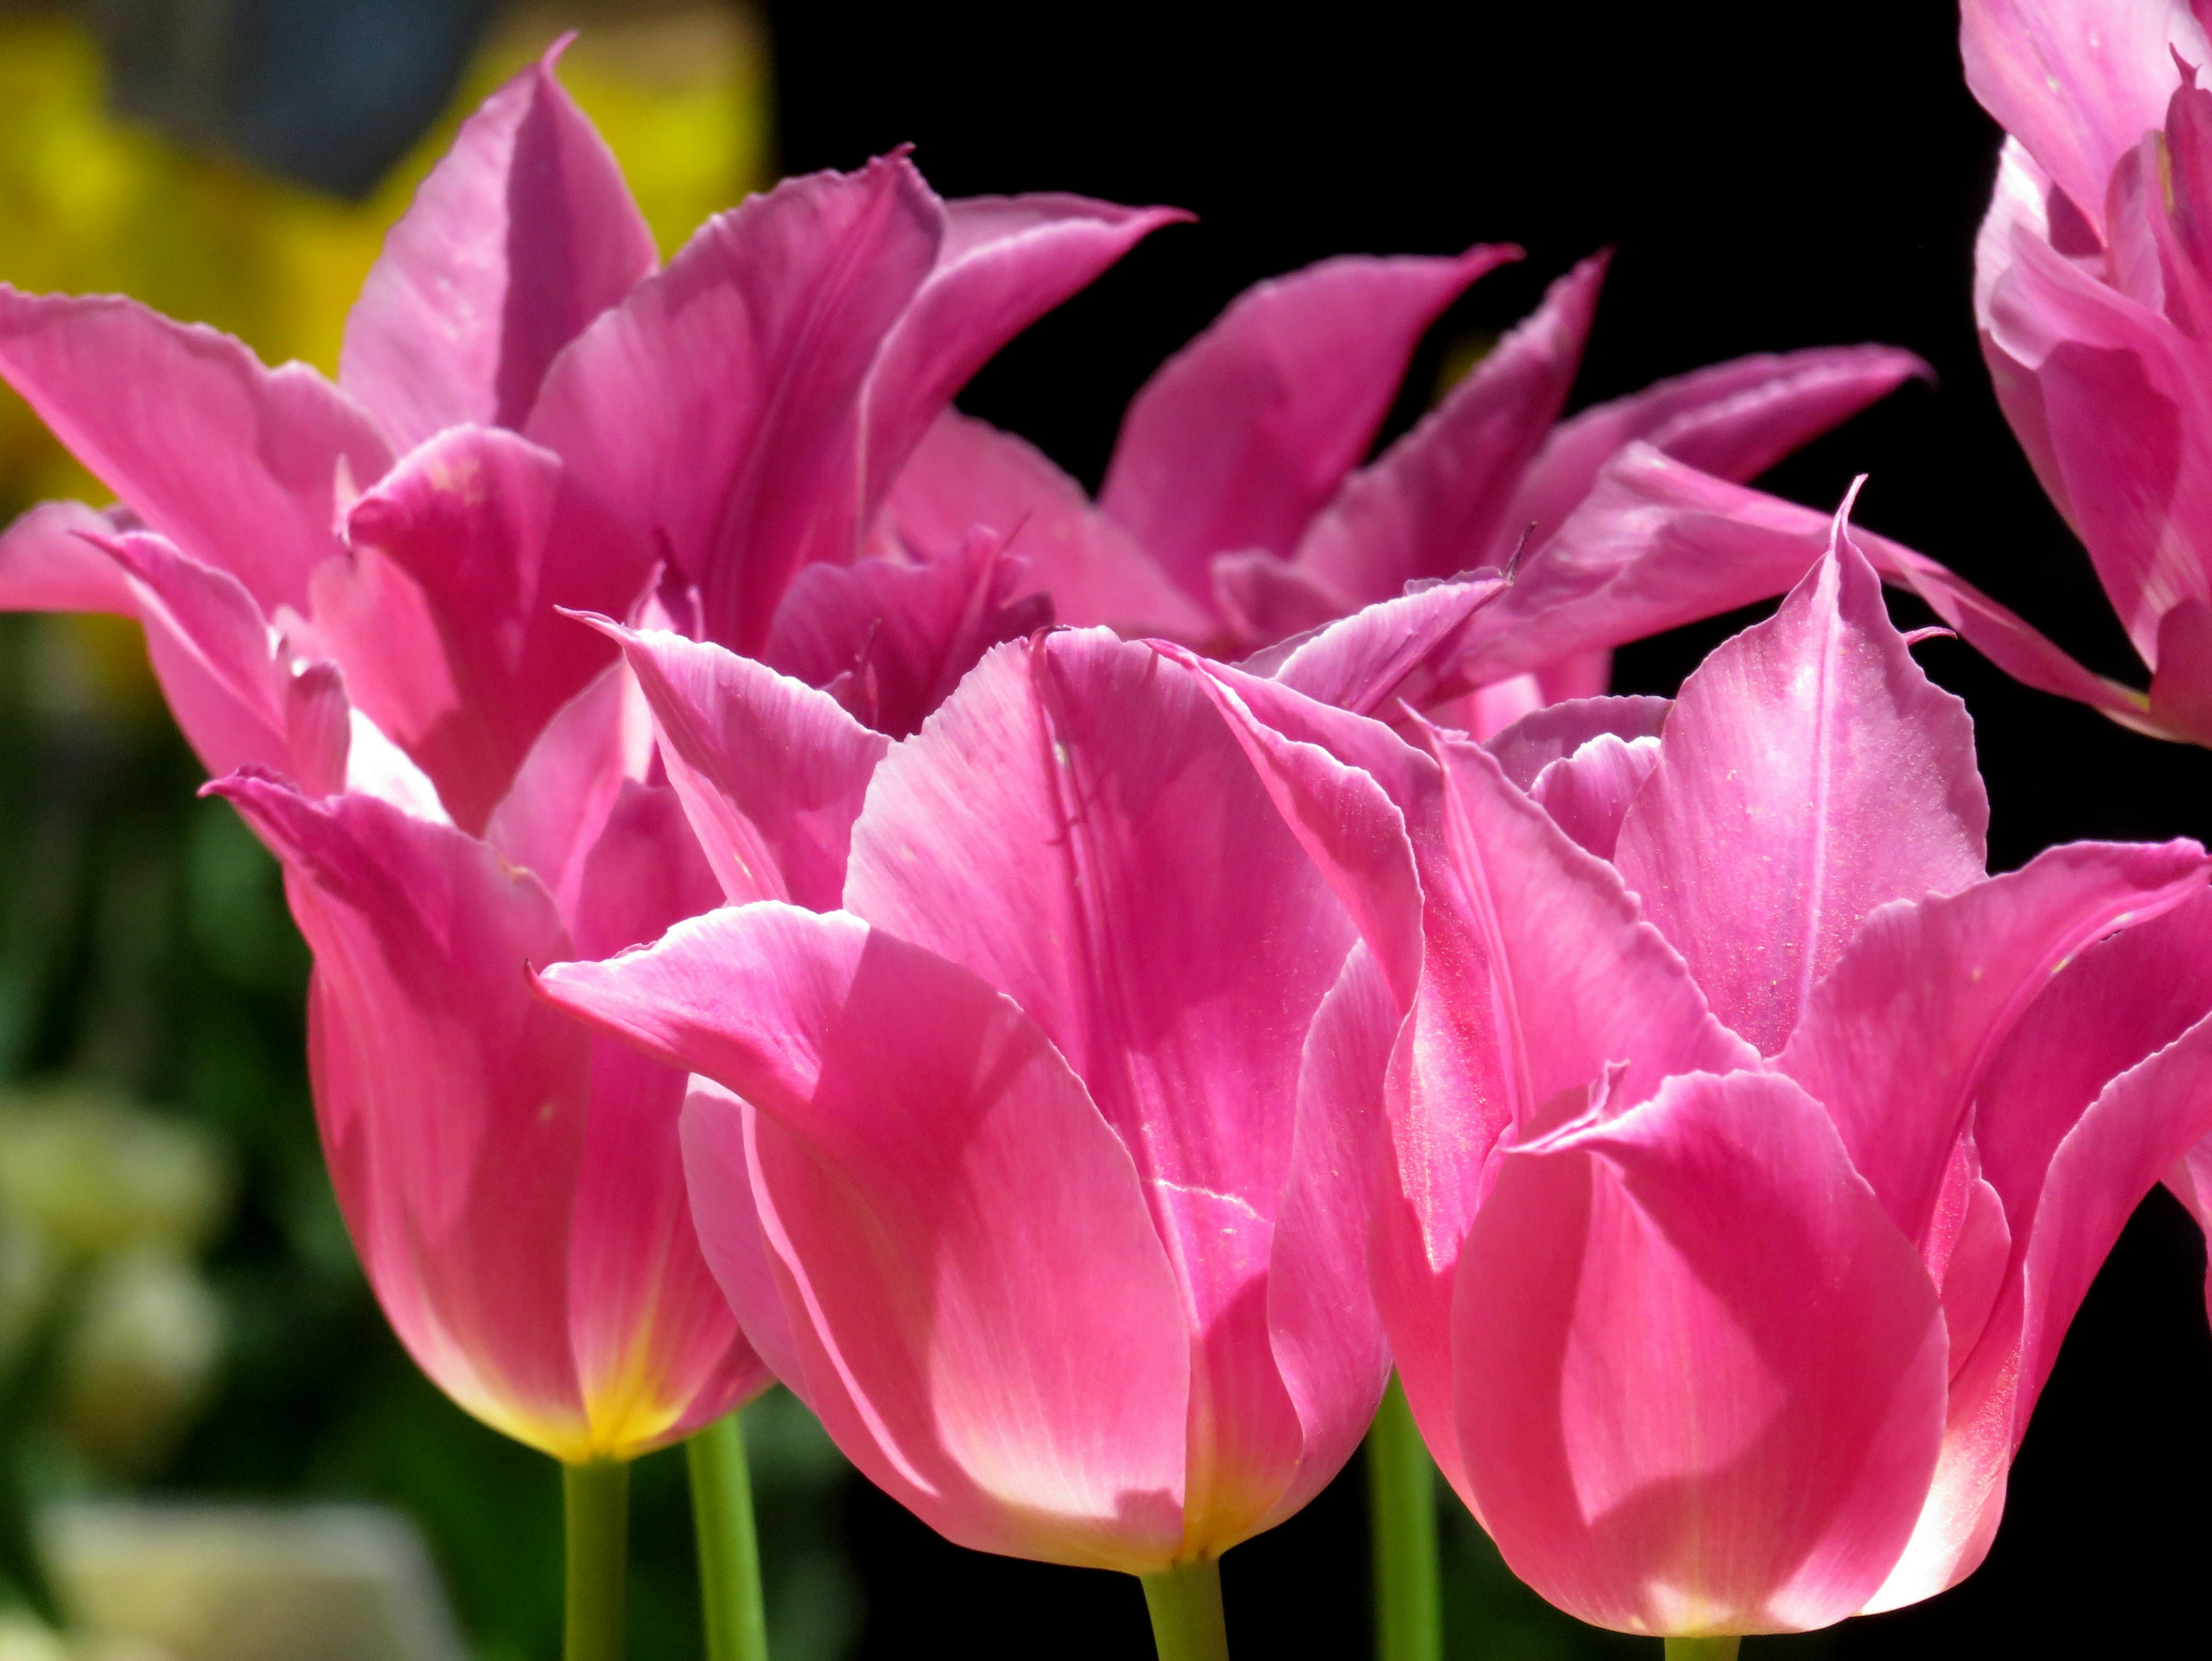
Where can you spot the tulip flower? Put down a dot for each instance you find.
(2091, 278)
(1748, 1149)
(1030, 1180)
(352, 596)
(1236, 512)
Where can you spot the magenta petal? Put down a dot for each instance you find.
(658, 1351)
(453, 1104)
(568, 785)
(221, 667)
(1326, 1338)
(1525, 749)
(522, 234)
(1004, 262)
(2078, 82)
(1588, 794)
(1435, 502)
(484, 524)
(771, 772)
(718, 1176)
(50, 561)
(1897, 1039)
(1539, 974)
(889, 639)
(714, 405)
(1658, 543)
(237, 464)
(1078, 826)
(1402, 649)
(1700, 1375)
(1242, 437)
(967, 473)
(1734, 420)
(1810, 772)
(984, 1317)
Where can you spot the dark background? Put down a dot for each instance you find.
(1773, 177)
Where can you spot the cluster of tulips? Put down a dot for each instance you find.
(1080, 990)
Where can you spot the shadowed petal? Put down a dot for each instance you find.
(1588, 794)
(771, 772)
(1525, 749)
(889, 640)
(1734, 420)
(712, 407)
(523, 233)
(1699, 1374)
(1435, 501)
(1242, 437)
(966, 472)
(984, 1317)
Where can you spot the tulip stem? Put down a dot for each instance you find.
(1702, 1649)
(729, 1547)
(595, 1501)
(1186, 1605)
(1402, 1496)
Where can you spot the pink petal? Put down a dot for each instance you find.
(2078, 82)
(985, 1319)
(1539, 974)
(2181, 690)
(453, 1104)
(236, 463)
(1263, 600)
(1810, 773)
(568, 785)
(522, 234)
(1326, 1338)
(1897, 1039)
(1658, 545)
(2122, 999)
(1435, 501)
(1700, 1375)
(658, 1351)
(728, 1226)
(716, 404)
(1242, 437)
(221, 667)
(1394, 650)
(1734, 420)
(1078, 826)
(1588, 794)
(2124, 413)
(1004, 262)
(771, 773)
(494, 538)
(890, 640)
(1525, 749)
(50, 560)
(966, 473)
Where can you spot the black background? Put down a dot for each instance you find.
(1773, 177)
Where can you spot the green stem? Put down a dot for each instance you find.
(595, 1501)
(1702, 1649)
(1186, 1605)
(729, 1547)
(1402, 1497)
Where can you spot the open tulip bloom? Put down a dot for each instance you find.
(1748, 1147)
(351, 597)
(1048, 1042)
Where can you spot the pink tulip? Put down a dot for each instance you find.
(2092, 287)
(1748, 1149)
(1236, 512)
(352, 595)
(1033, 1181)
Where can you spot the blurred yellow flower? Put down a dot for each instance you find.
(90, 204)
